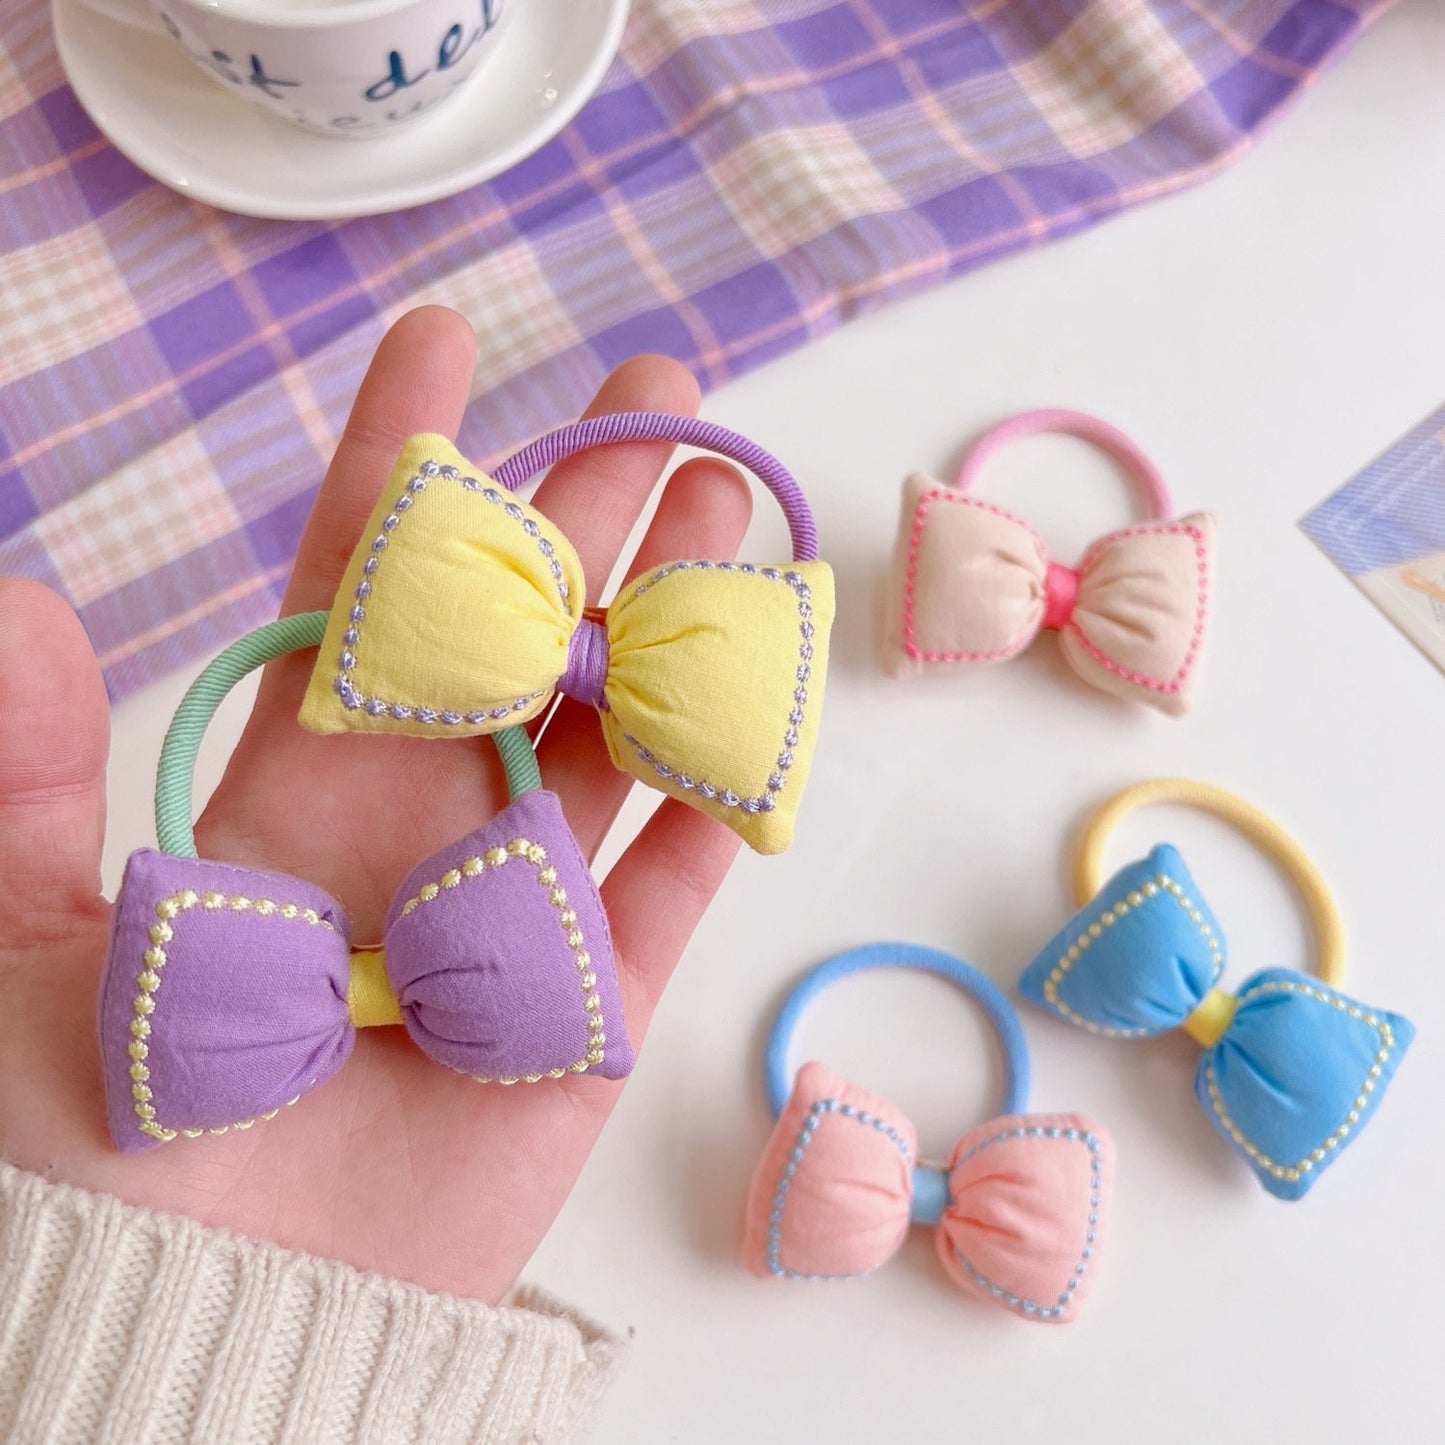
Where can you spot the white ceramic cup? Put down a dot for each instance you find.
(340, 67)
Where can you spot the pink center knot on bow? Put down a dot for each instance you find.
(587, 657)
(1061, 588)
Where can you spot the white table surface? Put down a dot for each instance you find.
(1263, 337)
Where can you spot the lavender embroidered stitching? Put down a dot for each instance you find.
(376, 706)
(764, 801)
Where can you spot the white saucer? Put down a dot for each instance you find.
(192, 135)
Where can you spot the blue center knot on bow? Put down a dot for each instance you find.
(1292, 1069)
(930, 1194)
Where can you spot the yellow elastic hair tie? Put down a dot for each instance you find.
(1324, 913)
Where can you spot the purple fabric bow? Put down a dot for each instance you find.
(225, 993)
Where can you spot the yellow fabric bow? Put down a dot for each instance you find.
(461, 612)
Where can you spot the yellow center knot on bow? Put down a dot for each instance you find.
(369, 999)
(1206, 1025)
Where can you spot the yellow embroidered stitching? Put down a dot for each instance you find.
(148, 984)
(1107, 920)
(536, 855)
(1296, 1172)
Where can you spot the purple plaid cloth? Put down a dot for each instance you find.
(173, 379)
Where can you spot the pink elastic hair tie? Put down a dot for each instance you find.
(975, 584)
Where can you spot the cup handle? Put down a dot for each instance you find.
(134, 13)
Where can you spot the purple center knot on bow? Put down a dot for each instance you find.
(587, 656)
(1061, 587)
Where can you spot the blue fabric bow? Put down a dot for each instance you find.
(1292, 1070)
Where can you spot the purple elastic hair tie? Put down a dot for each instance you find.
(658, 426)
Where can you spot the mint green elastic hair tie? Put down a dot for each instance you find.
(175, 832)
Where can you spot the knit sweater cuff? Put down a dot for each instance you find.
(122, 1324)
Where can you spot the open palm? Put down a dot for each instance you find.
(394, 1165)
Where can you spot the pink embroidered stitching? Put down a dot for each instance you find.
(1201, 561)
(920, 517)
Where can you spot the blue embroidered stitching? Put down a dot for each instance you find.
(377, 706)
(763, 802)
(805, 1137)
(1031, 1307)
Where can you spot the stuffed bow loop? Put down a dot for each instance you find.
(224, 997)
(498, 952)
(974, 578)
(1297, 1073)
(1138, 959)
(1025, 1223)
(715, 685)
(455, 612)
(1137, 621)
(831, 1194)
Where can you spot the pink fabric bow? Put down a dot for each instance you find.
(976, 584)
(1022, 1225)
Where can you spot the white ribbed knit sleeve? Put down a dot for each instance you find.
(124, 1325)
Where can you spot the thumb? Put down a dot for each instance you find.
(54, 736)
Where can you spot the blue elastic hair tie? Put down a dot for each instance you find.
(930, 1184)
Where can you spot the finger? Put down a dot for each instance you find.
(596, 497)
(54, 736)
(655, 896)
(704, 512)
(418, 381)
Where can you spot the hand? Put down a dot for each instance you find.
(394, 1165)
